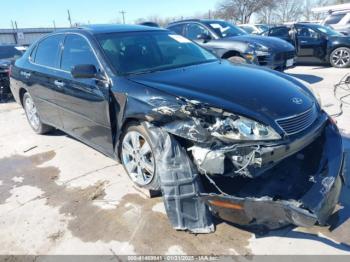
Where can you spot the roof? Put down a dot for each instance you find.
(115, 28)
(197, 20)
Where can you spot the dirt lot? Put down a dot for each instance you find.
(58, 196)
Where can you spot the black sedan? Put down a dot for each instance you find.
(314, 41)
(207, 133)
(230, 42)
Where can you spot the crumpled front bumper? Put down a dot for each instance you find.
(312, 208)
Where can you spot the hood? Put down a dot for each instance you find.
(273, 43)
(245, 90)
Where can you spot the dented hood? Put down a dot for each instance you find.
(245, 90)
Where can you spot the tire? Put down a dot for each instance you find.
(136, 152)
(237, 60)
(340, 57)
(33, 116)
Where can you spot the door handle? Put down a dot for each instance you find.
(59, 84)
(303, 42)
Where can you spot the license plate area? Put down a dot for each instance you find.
(290, 62)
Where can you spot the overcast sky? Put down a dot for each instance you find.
(41, 13)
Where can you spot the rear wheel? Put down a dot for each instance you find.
(237, 60)
(137, 156)
(340, 57)
(33, 116)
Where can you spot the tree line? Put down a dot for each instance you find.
(265, 11)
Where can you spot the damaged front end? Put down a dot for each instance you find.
(244, 171)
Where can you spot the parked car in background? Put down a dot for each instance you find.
(254, 28)
(314, 41)
(187, 123)
(151, 24)
(8, 53)
(339, 21)
(230, 42)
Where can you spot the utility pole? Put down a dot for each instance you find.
(123, 14)
(13, 23)
(69, 18)
(54, 24)
(209, 14)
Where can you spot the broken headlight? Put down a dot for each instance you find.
(242, 128)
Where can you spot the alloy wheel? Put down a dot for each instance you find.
(32, 113)
(137, 157)
(341, 57)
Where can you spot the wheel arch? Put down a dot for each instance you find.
(21, 93)
(231, 53)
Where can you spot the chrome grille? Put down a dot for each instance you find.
(295, 124)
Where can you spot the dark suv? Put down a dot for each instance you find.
(233, 43)
(248, 144)
(315, 42)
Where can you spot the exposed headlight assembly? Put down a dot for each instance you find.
(259, 49)
(242, 129)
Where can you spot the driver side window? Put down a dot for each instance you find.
(77, 51)
(195, 30)
(306, 32)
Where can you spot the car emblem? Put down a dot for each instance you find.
(297, 101)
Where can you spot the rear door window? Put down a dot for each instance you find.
(77, 51)
(48, 51)
(195, 30)
(279, 32)
(179, 29)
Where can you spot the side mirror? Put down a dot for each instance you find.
(84, 71)
(204, 37)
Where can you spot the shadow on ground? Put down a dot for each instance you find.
(311, 79)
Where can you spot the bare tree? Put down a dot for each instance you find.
(240, 10)
(309, 4)
(266, 14)
(288, 10)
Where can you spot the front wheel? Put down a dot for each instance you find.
(33, 116)
(340, 57)
(137, 156)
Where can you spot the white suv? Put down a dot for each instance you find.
(340, 21)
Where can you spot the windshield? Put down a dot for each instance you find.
(262, 28)
(225, 29)
(142, 52)
(9, 52)
(327, 30)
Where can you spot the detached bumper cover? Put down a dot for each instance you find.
(314, 207)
